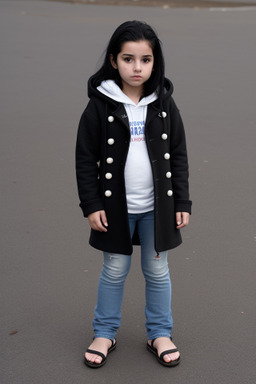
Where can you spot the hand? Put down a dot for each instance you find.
(98, 221)
(182, 219)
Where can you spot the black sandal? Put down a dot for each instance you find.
(104, 358)
(160, 358)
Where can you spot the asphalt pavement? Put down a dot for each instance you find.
(169, 3)
(49, 273)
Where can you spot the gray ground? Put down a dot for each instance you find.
(49, 273)
(168, 3)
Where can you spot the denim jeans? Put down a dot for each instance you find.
(157, 279)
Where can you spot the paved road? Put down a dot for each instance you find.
(49, 273)
(169, 3)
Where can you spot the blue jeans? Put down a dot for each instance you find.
(158, 285)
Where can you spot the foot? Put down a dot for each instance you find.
(99, 344)
(164, 344)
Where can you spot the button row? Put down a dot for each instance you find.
(110, 160)
(108, 193)
(111, 141)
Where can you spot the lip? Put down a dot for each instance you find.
(137, 77)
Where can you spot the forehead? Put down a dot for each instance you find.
(141, 48)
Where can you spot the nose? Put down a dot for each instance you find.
(137, 66)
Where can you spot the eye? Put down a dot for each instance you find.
(127, 59)
(146, 60)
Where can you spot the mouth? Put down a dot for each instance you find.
(137, 77)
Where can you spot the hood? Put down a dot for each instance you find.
(110, 91)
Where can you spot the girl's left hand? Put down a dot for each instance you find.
(182, 219)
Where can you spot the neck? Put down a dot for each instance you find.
(133, 93)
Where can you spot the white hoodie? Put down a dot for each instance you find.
(138, 173)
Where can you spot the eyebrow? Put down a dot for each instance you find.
(129, 55)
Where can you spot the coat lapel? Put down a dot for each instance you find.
(151, 113)
(121, 115)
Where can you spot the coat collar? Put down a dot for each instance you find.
(120, 114)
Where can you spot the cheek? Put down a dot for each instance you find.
(151, 70)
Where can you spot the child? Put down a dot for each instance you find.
(132, 175)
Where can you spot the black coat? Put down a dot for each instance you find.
(102, 146)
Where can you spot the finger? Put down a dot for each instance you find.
(99, 226)
(178, 218)
(187, 218)
(96, 223)
(104, 218)
(182, 219)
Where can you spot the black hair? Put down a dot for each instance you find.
(133, 31)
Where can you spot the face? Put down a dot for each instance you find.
(135, 64)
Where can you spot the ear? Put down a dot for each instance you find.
(112, 61)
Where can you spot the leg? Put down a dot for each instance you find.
(159, 322)
(157, 278)
(107, 317)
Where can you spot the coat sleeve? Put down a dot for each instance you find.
(179, 163)
(87, 160)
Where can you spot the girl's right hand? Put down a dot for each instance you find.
(98, 221)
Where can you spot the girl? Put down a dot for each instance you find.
(132, 175)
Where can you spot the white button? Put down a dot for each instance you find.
(111, 119)
(168, 175)
(164, 136)
(108, 193)
(108, 176)
(167, 156)
(170, 192)
(111, 141)
(109, 160)
(164, 114)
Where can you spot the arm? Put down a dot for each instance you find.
(87, 160)
(179, 166)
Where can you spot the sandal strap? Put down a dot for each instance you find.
(167, 352)
(96, 353)
(152, 341)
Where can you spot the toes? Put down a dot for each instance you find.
(101, 345)
(93, 358)
(163, 344)
(98, 360)
(171, 357)
(87, 357)
(167, 358)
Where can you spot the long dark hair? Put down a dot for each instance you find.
(133, 31)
